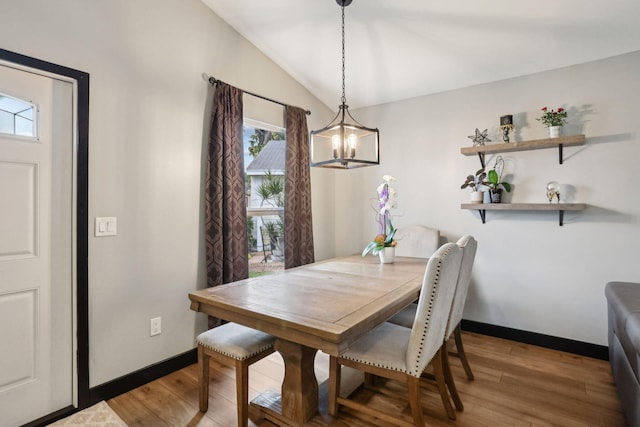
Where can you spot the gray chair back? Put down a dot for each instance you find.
(417, 241)
(434, 306)
(469, 246)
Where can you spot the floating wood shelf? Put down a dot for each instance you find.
(525, 146)
(560, 207)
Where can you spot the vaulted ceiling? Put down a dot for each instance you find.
(398, 49)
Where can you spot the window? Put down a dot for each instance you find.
(17, 117)
(264, 148)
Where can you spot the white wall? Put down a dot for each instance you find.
(148, 98)
(530, 274)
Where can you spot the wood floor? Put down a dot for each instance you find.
(515, 385)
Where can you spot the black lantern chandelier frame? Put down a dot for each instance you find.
(340, 142)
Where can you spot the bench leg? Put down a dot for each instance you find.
(203, 379)
(242, 392)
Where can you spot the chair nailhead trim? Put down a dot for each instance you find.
(379, 365)
(235, 355)
(416, 369)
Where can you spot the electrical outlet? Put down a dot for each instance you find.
(155, 327)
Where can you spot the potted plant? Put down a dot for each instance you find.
(495, 183)
(383, 243)
(474, 182)
(275, 230)
(553, 120)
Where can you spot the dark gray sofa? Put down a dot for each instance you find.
(623, 306)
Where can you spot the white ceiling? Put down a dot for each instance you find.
(398, 49)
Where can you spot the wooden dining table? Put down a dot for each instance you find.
(323, 306)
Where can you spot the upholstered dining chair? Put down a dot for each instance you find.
(405, 317)
(236, 346)
(417, 241)
(398, 353)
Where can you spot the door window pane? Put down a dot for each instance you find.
(17, 117)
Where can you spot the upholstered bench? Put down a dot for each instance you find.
(236, 346)
(623, 303)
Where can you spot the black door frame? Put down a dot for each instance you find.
(82, 214)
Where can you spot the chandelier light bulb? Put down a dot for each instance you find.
(335, 143)
(353, 141)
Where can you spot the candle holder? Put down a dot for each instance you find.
(506, 126)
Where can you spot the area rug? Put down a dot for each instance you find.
(98, 415)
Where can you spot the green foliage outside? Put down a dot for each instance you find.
(260, 138)
(271, 191)
(250, 227)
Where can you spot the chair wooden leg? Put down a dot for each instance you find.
(242, 392)
(334, 385)
(448, 378)
(413, 385)
(203, 379)
(440, 383)
(369, 380)
(463, 357)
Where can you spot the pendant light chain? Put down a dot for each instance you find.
(344, 97)
(344, 143)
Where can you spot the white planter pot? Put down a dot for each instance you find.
(554, 131)
(476, 197)
(387, 255)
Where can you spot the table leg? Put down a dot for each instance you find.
(300, 387)
(298, 401)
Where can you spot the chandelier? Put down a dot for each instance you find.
(344, 143)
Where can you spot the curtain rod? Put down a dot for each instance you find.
(213, 81)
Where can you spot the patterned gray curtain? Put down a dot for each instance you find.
(298, 230)
(225, 205)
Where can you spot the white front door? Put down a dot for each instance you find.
(37, 366)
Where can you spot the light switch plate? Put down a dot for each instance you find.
(106, 226)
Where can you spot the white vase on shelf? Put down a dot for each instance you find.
(554, 131)
(387, 255)
(476, 197)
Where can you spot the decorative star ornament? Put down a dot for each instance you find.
(479, 138)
